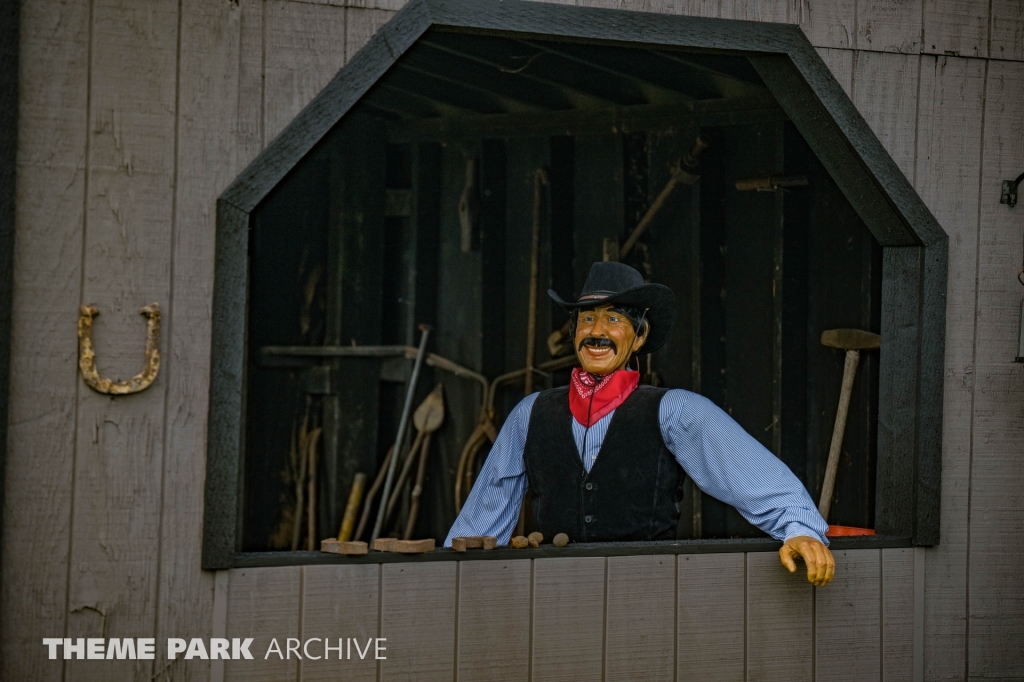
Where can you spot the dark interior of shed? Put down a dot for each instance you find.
(364, 239)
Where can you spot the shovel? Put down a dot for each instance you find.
(427, 419)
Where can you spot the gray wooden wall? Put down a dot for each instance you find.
(707, 617)
(134, 116)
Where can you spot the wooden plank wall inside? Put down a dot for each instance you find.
(700, 616)
(133, 118)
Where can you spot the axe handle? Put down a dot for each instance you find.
(829, 484)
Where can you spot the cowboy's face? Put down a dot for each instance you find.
(605, 339)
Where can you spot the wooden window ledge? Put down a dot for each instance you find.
(592, 549)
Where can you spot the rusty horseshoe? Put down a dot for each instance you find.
(87, 355)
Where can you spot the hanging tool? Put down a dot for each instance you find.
(469, 209)
(684, 172)
(426, 419)
(417, 490)
(426, 423)
(348, 521)
(403, 422)
(540, 178)
(852, 341)
(486, 430)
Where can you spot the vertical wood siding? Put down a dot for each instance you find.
(688, 617)
(265, 604)
(996, 602)
(417, 606)
(711, 624)
(340, 603)
(49, 210)
(847, 619)
(495, 603)
(133, 118)
(207, 159)
(948, 157)
(127, 241)
(640, 618)
(897, 614)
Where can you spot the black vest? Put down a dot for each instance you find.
(631, 493)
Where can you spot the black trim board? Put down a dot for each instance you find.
(328, 107)
(914, 244)
(593, 549)
(9, 20)
(224, 438)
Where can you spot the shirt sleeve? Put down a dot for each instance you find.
(493, 505)
(726, 462)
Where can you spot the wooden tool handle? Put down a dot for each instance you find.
(829, 484)
(348, 521)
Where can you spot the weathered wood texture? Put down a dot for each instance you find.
(711, 627)
(136, 173)
(996, 512)
(49, 210)
(304, 49)
(9, 26)
(264, 604)
(780, 621)
(127, 239)
(114, 161)
(568, 593)
(640, 619)
(975, 28)
(340, 603)
(947, 178)
(590, 618)
(494, 620)
(208, 158)
(897, 614)
(417, 606)
(847, 619)
(887, 99)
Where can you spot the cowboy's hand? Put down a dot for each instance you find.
(820, 564)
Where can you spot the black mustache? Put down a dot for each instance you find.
(599, 342)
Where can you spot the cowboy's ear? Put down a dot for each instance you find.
(640, 339)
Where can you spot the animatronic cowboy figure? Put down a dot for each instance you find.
(605, 458)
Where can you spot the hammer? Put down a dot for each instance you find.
(853, 341)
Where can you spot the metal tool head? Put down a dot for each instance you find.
(850, 339)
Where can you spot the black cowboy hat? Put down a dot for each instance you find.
(617, 284)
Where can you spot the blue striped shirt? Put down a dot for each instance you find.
(721, 459)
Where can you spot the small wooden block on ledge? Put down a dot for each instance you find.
(414, 546)
(384, 544)
(474, 542)
(403, 546)
(333, 546)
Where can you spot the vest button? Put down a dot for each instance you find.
(589, 486)
(588, 518)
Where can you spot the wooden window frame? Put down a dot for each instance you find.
(914, 249)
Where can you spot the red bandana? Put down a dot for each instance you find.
(592, 397)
